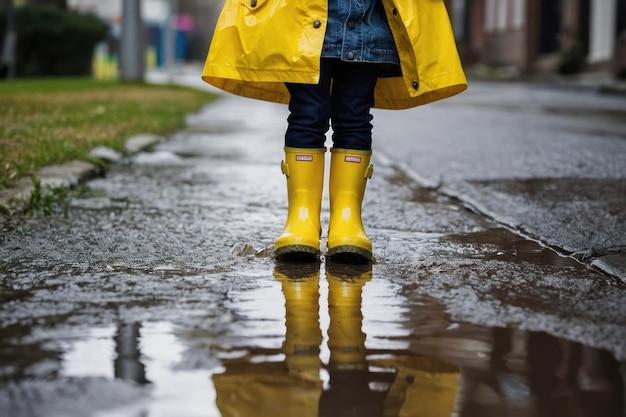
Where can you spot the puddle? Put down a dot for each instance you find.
(328, 340)
(144, 354)
(504, 245)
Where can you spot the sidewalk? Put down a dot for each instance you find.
(489, 175)
(184, 233)
(544, 160)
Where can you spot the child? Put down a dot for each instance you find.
(333, 60)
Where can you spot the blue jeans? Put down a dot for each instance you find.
(344, 96)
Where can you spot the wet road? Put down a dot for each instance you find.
(158, 295)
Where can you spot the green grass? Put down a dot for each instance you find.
(44, 122)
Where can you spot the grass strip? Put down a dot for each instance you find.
(44, 122)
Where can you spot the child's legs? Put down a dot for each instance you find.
(352, 98)
(309, 107)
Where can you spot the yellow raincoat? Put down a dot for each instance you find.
(259, 45)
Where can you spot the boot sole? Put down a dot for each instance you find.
(349, 254)
(297, 252)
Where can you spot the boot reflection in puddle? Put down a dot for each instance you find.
(291, 387)
(349, 392)
(390, 383)
(301, 288)
(361, 383)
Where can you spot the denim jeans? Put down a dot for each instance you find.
(343, 97)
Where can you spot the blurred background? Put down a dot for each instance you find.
(501, 39)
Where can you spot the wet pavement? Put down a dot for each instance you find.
(546, 161)
(157, 293)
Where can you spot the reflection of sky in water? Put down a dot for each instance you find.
(500, 365)
(262, 315)
(383, 315)
(173, 393)
(262, 310)
(92, 356)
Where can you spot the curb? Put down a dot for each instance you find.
(74, 173)
(614, 264)
(66, 175)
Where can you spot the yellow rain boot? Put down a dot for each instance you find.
(304, 169)
(349, 172)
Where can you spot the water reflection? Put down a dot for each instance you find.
(565, 376)
(382, 383)
(440, 368)
(290, 387)
(127, 364)
(354, 381)
(535, 374)
(354, 345)
(507, 371)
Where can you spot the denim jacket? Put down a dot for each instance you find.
(357, 30)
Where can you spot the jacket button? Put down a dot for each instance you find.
(350, 55)
(415, 85)
(351, 24)
(394, 11)
(253, 3)
(316, 24)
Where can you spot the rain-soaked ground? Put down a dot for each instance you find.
(157, 295)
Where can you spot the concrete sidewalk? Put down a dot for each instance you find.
(585, 220)
(546, 161)
(173, 233)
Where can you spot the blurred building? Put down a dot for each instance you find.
(191, 20)
(523, 36)
(539, 36)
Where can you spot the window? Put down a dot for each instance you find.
(519, 13)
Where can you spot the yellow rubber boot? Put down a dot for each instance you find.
(304, 169)
(349, 172)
